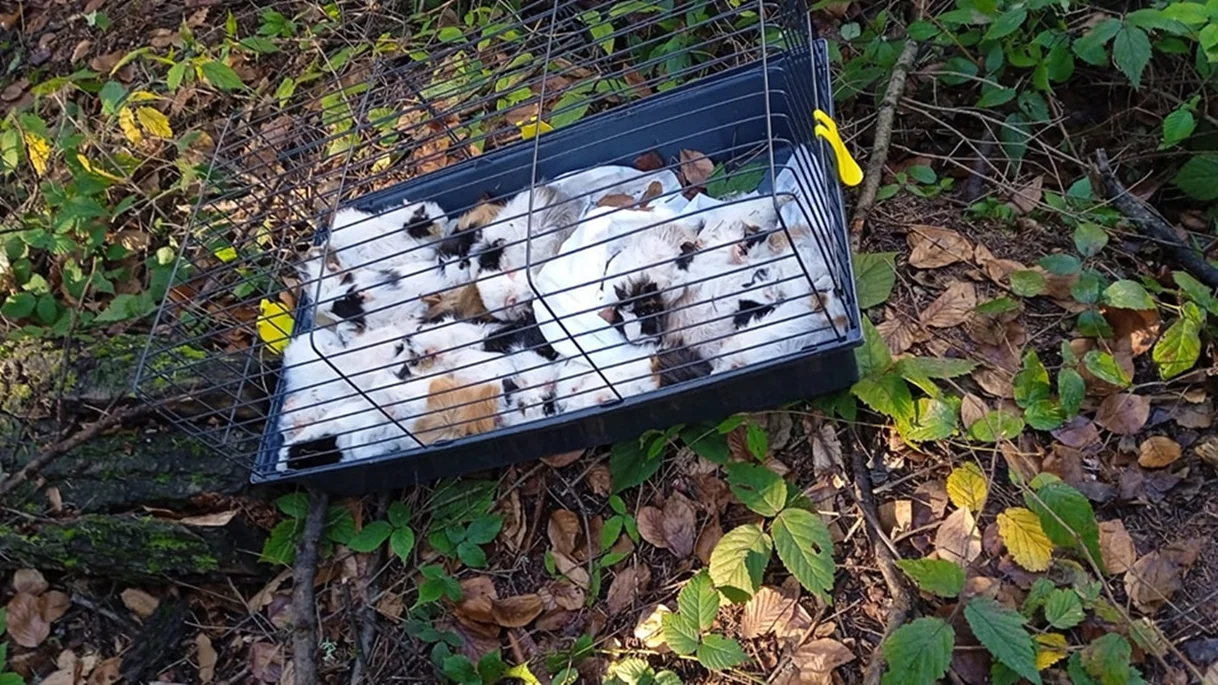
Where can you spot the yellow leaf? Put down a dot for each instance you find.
(142, 96)
(91, 168)
(967, 488)
(226, 254)
(533, 127)
(1020, 530)
(1050, 649)
(39, 151)
(274, 325)
(126, 121)
(155, 124)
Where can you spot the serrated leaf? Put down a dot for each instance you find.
(718, 652)
(1050, 649)
(1196, 177)
(1007, 23)
(1107, 659)
(967, 487)
(1064, 609)
(739, 560)
(221, 75)
(681, 633)
(1002, 632)
(280, 545)
(401, 541)
(294, 504)
(1092, 324)
(1179, 348)
(154, 122)
(1104, 367)
(757, 441)
(935, 420)
(872, 356)
(1131, 53)
(887, 394)
(1027, 283)
(874, 277)
(111, 95)
(936, 367)
(937, 576)
(1045, 414)
(919, 652)
(471, 555)
(1086, 289)
(484, 529)
(1071, 389)
(1064, 512)
(1023, 535)
(1089, 238)
(699, 600)
(371, 537)
(1177, 126)
(996, 306)
(995, 426)
(1196, 291)
(38, 151)
(757, 487)
(1090, 47)
(1126, 294)
(805, 546)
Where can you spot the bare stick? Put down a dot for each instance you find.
(883, 136)
(1150, 222)
(304, 635)
(365, 613)
(885, 557)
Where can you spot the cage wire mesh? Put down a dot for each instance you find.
(586, 220)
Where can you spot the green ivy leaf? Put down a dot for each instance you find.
(681, 632)
(1064, 512)
(1196, 177)
(371, 537)
(919, 652)
(699, 600)
(995, 426)
(888, 395)
(1179, 348)
(718, 652)
(757, 487)
(401, 541)
(874, 277)
(1131, 53)
(1092, 324)
(805, 546)
(757, 441)
(1027, 283)
(872, 356)
(936, 576)
(1104, 367)
(1107, 659)
(1089, 239)
(1126, 294)
(1071, 389)
(221, 75)
(1002, 632)
(739, 560)
(1064, 609)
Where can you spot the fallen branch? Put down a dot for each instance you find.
(365, 613)
(1105, 182)
(885, 556)
(304, 635)
(883, 137)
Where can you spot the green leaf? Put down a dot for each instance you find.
(805, 546)
(1177, 126)
(936, 367)
(484, 529)
(1064, 512)
(874, 277)
(1092, 324)
(1196, 177)
(1089, 238)
(888, 395)
(681, 632)
(995, 426)
(1131, 53)
(698, 599)
(936, 576)
(19, 305)
(1007, 23)
(285, 90)
(399, 514)
(448, 34)
(1001, 631)
(1179, 348)
(1087, 288)
(1060, 264)
(1196, 291)
(11, 679)
(340, 525)
(491, 668)
(706, 443)
(611, 532)
(935, 420)
(221, 75)
(280, 545)
(872, 356)
(919, 652)
(957, 71)
(461, 670)
(757, 441)
(1027, 283)
(371, 537)
(401, 541)
(1064, 609)
(295, 504)
(112, 95)
(1090, 47)
(177, 74)
(259, 44)
(1045, 414)
(1071, 389)
(739, 560)
(11, 146)
(1031, 383)
(993, 97)
(630, 465)
(471, 554)
(757, 487)
(1104, 367)
(718, 652)
(1107, 659)
(1040, 591)
(1191, 13)
(1126, 294)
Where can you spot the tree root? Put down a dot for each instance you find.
(304, 635)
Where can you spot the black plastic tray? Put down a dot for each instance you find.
(732, 112)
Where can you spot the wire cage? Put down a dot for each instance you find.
(582, 221)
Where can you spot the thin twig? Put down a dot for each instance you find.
(365, 614)
(883, 136)
(1150, 221)
(304, 635)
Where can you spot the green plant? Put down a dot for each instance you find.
(634, 671)
(396, 530)
(280, 545)
(461, 521)
(6, 677)
(685, 631)
(921, 181)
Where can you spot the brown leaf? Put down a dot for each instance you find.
(1028, 197)
(1116, 547)
(557, 461)
(959, 539)
(818, 658)
(574, 571)
(107, 672)
(1024, 463)
(1151, 581)
(651, 526)
(1158, 451)
(1135, 332)
(516, 612)
(1208, 451)
(1123, 413)
(896, 516)
(206, 657)
(139, 602)
(216, 520)
(567, 595)
(650, 628)
(650, 161)
(30, 581)
(600, 480)
(680, 525)
(1194, 415)
(826, 450)
(996, 382)
(1078, 433)
(26, 624)
(998, 270)
(972, 408)
(553, 621)
(897, 335)
(708, 538)
(563, 530)
(695, 167)
(64, 676)
(952, 308)
(929, 502)
(770, 610)
(933, 247)
(266, 661)
(515, 527)
(627, 586)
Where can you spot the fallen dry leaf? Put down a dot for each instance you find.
(216, 520)
(898, 335)
(826, 450)
(650, 628)
(563, 530)
(266, 661)
(206, 657)
(30, 581)
(972, 408)
(566, 594)
(707, 539)
(933, 247)
(1027, 198)
(929, 502)
(1157, 452)
(27, 624)
(574, 571)
(1194, 415)
(600, 480)
(650, 161)
(139, 602)
(515, 528)
(516, 612)
(1116, 547)
(997, 269)
(770, 610)
(651, 526)
(695, 167)
(1078, 433)
(1123, 413)
(627, 587)
(107, 672)
(1151, 581)
(896, 516)
(1026, 464)
(818, 658)
(680, 525)
(952, 308)
(1134, 331)
(1208, 451)
(959, 539)
(557, 461)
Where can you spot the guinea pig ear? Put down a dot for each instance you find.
(620, 292)
(607, 314)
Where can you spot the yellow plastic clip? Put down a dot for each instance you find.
(847, 168)
(532, 127)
